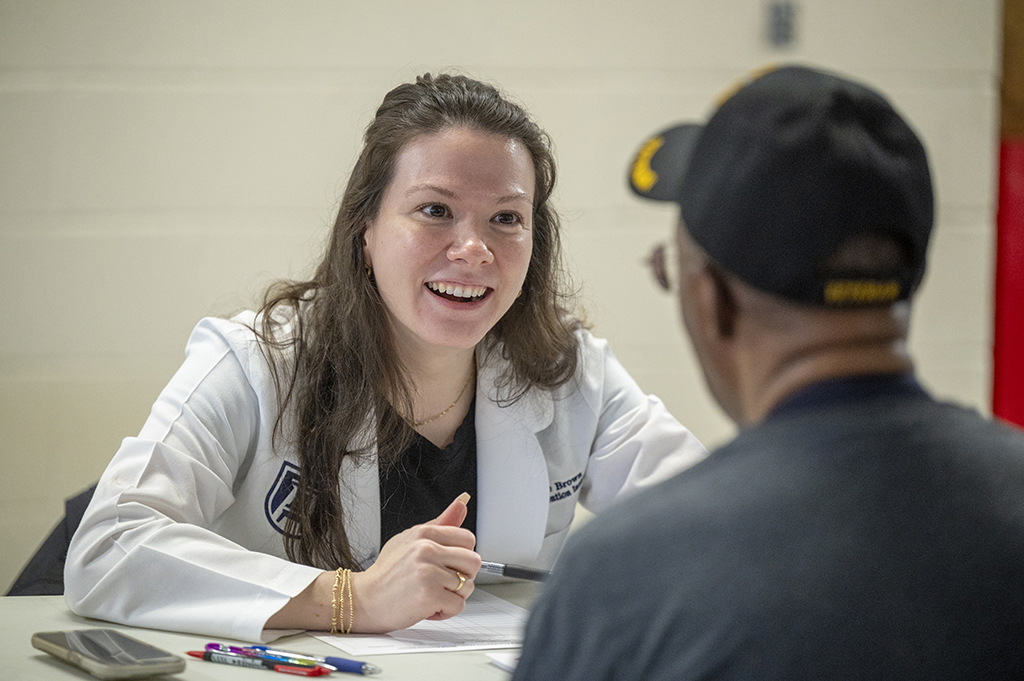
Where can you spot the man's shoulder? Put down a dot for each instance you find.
(653, 517)
(929, 421)
(771, 464)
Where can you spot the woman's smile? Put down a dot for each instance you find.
(458, 292)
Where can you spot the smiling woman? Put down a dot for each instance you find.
(299, 471)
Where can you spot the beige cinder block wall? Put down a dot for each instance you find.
(163, 161)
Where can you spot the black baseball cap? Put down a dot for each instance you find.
(789, 168)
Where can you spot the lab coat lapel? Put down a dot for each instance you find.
(512, 475)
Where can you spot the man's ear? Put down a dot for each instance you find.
(714, 302)
(725, 302)
(712, 321)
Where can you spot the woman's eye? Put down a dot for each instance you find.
(508, 218)
(436, 210)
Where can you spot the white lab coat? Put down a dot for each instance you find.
(183, 532)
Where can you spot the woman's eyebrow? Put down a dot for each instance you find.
(448, 193)
(518, 196)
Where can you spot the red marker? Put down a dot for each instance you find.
(257, 663)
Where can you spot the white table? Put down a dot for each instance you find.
(21, 616)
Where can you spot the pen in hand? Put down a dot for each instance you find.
(513, 571)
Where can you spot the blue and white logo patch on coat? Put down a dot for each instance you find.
(281, 494)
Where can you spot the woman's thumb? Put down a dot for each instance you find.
(455, 513)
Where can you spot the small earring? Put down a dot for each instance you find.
(369, 270)
(520, 294)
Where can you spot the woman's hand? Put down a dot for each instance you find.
(416, 575)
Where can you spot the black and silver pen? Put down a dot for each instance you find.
(513, 571)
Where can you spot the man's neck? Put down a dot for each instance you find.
(815, 365)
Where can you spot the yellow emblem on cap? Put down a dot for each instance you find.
(643, 176)
(860, 291)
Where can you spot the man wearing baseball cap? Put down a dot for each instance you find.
(856, 527)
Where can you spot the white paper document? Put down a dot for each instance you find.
(506, 661)
(487, 622)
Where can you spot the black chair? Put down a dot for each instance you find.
(44, 573)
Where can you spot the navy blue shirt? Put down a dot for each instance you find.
(849, 389)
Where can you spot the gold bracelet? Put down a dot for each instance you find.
(335, 601)
(351, 602)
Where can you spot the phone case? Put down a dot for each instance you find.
(167, 663)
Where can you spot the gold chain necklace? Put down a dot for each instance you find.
(417, 424)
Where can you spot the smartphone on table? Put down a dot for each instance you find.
(107, 653)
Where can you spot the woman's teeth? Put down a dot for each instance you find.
(457, 291)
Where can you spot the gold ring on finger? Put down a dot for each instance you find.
(462, 582)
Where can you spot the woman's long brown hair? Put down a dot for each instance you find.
(340, 386)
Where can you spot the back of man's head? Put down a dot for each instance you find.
(803, 185)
